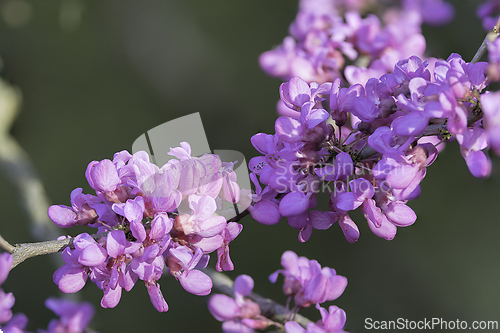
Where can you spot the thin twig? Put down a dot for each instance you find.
(6, 245)
(24, 251)
(239, 216)
(21, 252)
(490, 37)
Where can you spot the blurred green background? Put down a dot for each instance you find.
(97, 74)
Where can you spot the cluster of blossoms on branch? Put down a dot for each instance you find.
(73, 317)
(368, 146)
(149, 218)
(328, 35)
(238, 314)
(305, 281)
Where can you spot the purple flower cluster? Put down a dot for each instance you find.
(74, 317)
(304, 281)
(369, 146)
(332, 321)
(148, 219)
(327, 34)
(238, 314)
(490, 101)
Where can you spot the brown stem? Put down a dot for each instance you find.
(6, 245)
(24, 251)
(21, 252)
(270, 309)
(239, 216)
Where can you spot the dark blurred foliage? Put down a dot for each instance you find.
(97, 74)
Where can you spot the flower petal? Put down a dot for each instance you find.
(196, 282)
(156, 297)
(223, 307)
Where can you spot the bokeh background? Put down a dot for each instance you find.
(95, 75)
